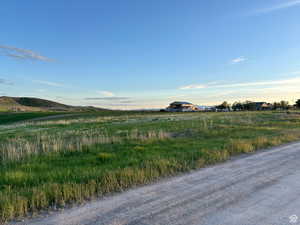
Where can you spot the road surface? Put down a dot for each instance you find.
(258, 189)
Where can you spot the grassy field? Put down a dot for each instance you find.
(50, 163)
(8, 118)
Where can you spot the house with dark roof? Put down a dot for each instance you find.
(263, 106)
(182, 107)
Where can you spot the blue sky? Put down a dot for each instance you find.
(144, 54)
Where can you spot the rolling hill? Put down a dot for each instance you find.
(28, 104)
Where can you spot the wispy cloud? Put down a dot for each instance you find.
(127, 102)
(24, 54)
(238, 60)
(105, 93)
(291, 81)
(121, 105)
(286, 4)
(108, 98)
(6, 82)
(114, 101)
(192, 86)
(48, 83)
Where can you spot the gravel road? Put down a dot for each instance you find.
(258, 189)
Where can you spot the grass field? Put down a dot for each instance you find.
(48, 164)
(8, 118)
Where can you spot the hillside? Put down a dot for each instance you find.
(36, 102)
(28, 104)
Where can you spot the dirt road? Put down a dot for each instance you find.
(259, 189)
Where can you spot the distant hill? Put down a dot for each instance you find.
(27, 104)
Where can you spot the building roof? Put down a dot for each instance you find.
(181, 103)
(260, 103)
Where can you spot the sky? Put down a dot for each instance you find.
(133, 54)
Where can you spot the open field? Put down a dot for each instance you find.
(8, 118)
(48, 164)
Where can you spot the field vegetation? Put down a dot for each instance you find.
(49, 164)
(8, 118)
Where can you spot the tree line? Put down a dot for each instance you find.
(251, 106)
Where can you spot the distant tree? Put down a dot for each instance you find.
(224, 105)
(252, 106)
(248, 105)
(237, 106)
(284, 104)
(276, 105)
(298, 103)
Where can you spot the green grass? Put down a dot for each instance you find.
(50, 164)
(7, 118)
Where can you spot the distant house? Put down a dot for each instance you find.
(182, 107)
(263, 106)
(206, 108)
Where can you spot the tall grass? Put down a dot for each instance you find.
(19, 148)
(71, 163)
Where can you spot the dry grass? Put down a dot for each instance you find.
(237, 146)
(15, 149)
(105, 157)
(240, 146)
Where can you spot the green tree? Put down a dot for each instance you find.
(284, 104)
(298, 103)
(237, 106)
(248, 105)
(224, 105)
(276, 105)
